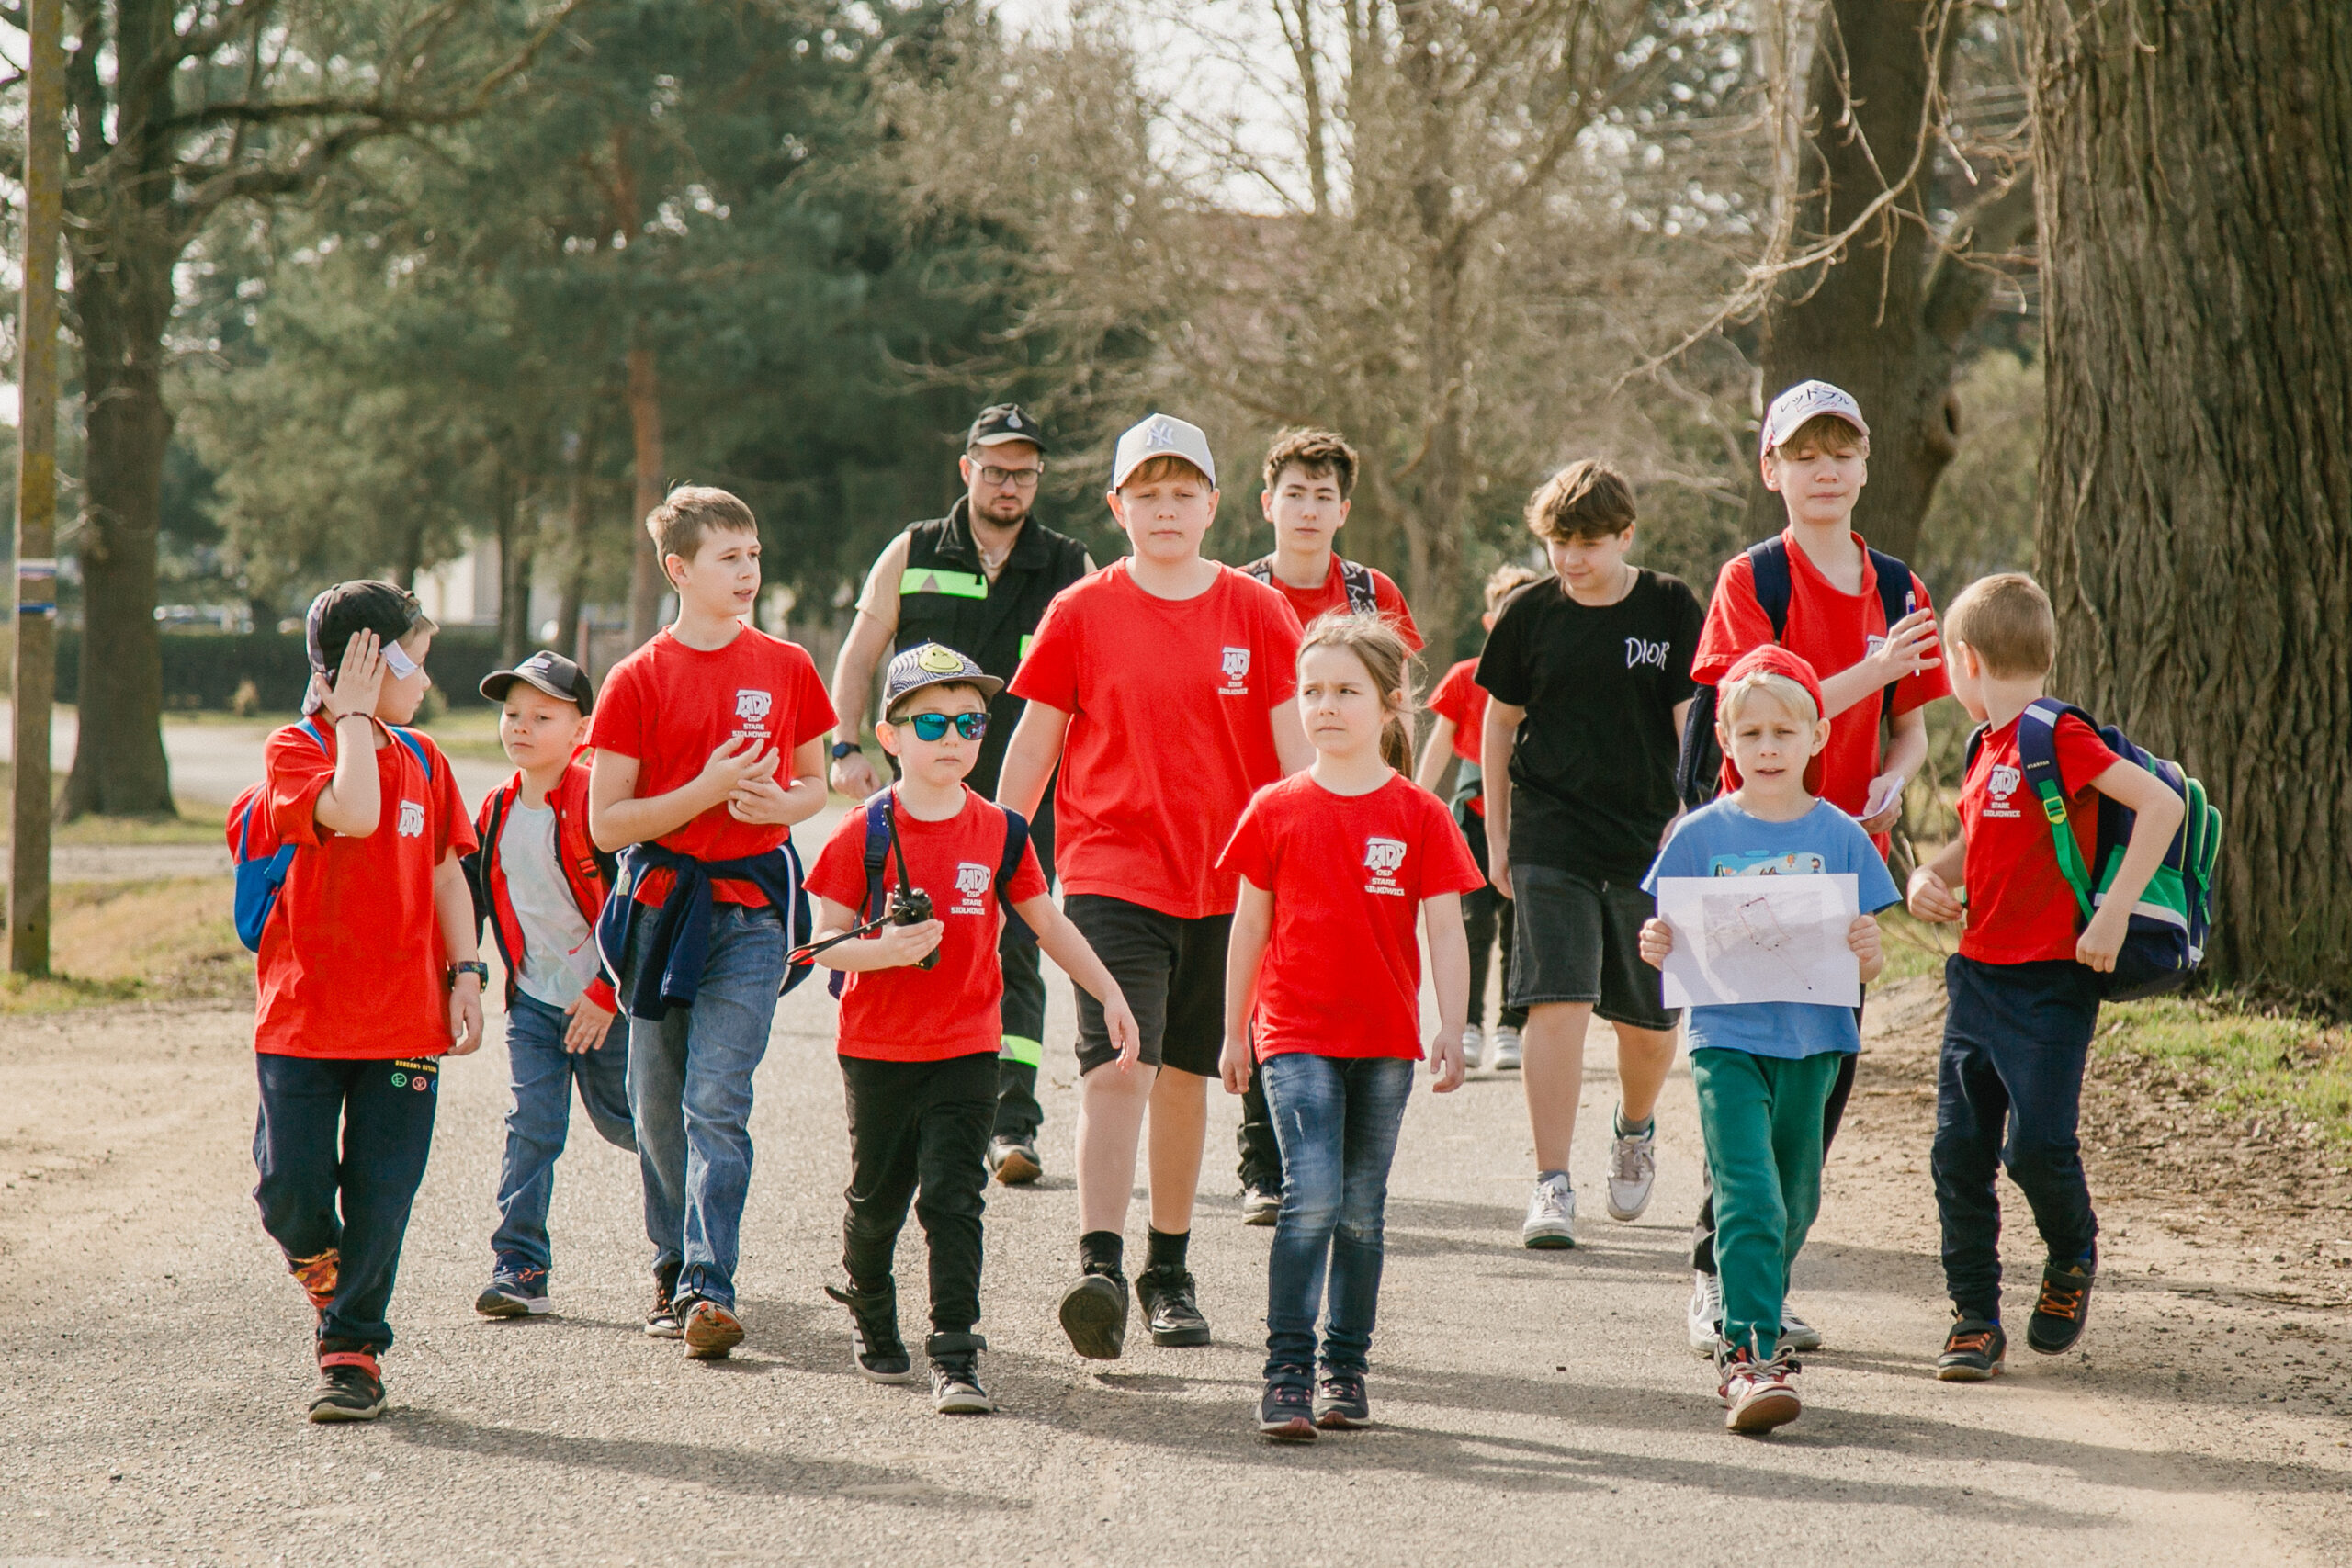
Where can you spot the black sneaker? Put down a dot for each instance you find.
(351, 1388)
(1286, 1413)
(1014, 1162)
(515, 1291)
(955, 1375)
(1340, 1402)
(2064, 1307)
(1261, 1204)
(1166, 1297)
(1094, 1315)
(1973, 1351)
(661, 1319)
(874, 1347)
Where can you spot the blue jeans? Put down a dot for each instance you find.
(543, 1073)
(1335, 1118)
(690, 1091)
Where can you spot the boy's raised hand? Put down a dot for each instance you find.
(586, 1026)
(1445, 1061)
(1657, 940)
(1911, 646)
(359, 680)
(737, 758)
(1930, 899)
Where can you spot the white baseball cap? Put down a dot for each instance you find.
(1162, 435)
(1803, 402)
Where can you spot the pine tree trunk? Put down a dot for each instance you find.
(2195, 172)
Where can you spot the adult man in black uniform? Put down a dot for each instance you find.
(977, 580)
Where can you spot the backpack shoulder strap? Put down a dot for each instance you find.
(1364, 597)
(1017, 838)
(877, 849)
(1263, 569)
(1770, 564)
(1895, 595)
(2038, 752)
(1975, 744)
(415, 744)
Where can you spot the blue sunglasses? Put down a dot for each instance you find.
(929, 727)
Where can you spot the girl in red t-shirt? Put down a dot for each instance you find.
(1337, 864)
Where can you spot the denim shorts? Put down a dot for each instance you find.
(1579, 941)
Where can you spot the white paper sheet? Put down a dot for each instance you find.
(1760, 939)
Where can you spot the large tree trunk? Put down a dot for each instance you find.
(517, 534)
(2195, 171)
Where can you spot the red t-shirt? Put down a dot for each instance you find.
(352, 964)
(1386, 597)
(1832, 631)
(670, 707)
(909, 1014)
(1170, 730)
(1460, 698)
(1342, 971)
(2021, 908)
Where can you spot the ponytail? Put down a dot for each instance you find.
(1385, 657)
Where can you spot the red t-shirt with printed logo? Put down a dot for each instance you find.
(352, 964)
(1170, 730)
(1832, 631)
(670, 707)
(1386, 597)
(909, 1014)
(2021, 908)
(1460, 698)
(1342, 971)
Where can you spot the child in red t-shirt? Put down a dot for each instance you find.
(920, 1020)
(1161, 685)
(710, 744)
(2022, 991)
(1339, 865)
(1459, 708)
(1309, 475)
(368, 974)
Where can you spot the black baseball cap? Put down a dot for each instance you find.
(550, 672)
(347, 609)
(1000, 423)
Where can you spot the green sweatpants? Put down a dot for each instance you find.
(1762, 1117)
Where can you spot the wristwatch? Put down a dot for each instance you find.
(845, 749)
(473, 967)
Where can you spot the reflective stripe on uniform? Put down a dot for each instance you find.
(1028, 1053)
(1027, 638)
(930, 580)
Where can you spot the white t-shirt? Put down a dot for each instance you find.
(558, 958)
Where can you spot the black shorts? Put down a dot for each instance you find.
(1579, 941)
(1172, 971)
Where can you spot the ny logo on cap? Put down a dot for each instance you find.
(1159, 434)
(1012, 419)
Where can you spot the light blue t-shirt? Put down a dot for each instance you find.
(1720, 839)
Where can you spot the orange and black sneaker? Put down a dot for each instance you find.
(2061, 1309)
(709, 1330)
(1973, 1351)
(351, 1387)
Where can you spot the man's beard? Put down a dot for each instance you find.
(1015, 521)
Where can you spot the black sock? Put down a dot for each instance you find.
(1102, 1252)
(1168, 1251)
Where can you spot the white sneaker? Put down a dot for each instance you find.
(1504, 1057)
(1551, 1215)
(1704, 1317)
(1474, 1046)
(1633, 1170)
(1796, 1334)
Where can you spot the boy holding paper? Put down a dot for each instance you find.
(1764, 1069)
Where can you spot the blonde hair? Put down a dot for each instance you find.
(689, 512)
(1790, 693)
(1824, 432)
(2006, 619)
(1381, 650)
(1586, 500)
(1161, 469)
(1507, 579)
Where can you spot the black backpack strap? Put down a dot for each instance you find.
(1896, 600)
(1364, 598)
(1968, 752)
(878, 851)
(1769, 563)
(1263, 569)
(1698, 771)
(1016, 840)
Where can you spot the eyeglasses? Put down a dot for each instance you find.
(929, 727)
(1010, 478)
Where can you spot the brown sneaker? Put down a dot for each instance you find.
(710, 1331)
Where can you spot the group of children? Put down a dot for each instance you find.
(1252, 868)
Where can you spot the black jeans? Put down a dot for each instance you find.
(1486, 916)
(1702, 1232)
(1262, 1153)
(341, 1146)
(919, 1132)
(1018, 1115)
(2009, 1091)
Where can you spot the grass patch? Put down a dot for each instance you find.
(118, 941)
(1913, 947)
(2287, 1072)
(198, 822)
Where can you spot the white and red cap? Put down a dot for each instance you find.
(1805, 400)
(1162, 435)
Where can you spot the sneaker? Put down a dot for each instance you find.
(351, 1388)
(1633, 1171)
(1094, 1315)
(1551, 1215)
(1973, 1351)
(1796, 1334)
(1258, 1206)
(874, 1347)
(1286, 1413)
(1704, 1316)
(710, 1331)
(520, 1291)
(2061, 1309)
(1502, 1055)
(1340, 1402)
(1474, 1048)
(661, 1319)
(1014, 1162)
(1759, 1395)
(955, 1375)
(1169, 1305)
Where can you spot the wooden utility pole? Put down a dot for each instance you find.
(34, 680)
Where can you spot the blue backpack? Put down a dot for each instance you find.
(262, 857)
(2174, 918)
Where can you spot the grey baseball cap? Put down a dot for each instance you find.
(1803, 402)
(933, 664)
(1162, 435)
